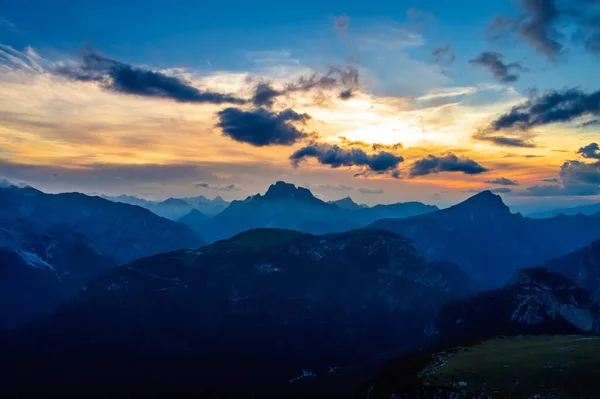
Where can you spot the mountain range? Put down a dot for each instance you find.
(488, 241)
(286, 206)
(52, 243)
(590, 209)
(286, 305)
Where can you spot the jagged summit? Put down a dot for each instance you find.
(347, 203)
(281, 190)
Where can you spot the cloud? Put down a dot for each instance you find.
(260, 127)
(591, 150)
(504, 141)
(347, 78)
(593, 122)
(443, 55)
(446, 163)
(551, 180)
(336, 156)
(504, 73)
(575, 178)
(230, 187)
(123, 78)
(370, 146)
(542, 22)
(498, 190)
(341, 23)
(503, 181)
(371, 190)
(339, 187)
(552, 107)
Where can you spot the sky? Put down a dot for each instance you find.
(380, 101)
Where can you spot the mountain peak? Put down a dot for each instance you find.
(281, 190)
(485, 201)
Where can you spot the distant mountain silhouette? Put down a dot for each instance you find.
(195, 220)
(254, 314)
(582, 266)
(348, 203)
(52, 243)
(583, 209)
(535, 301)
(174, 208)
(171, 208)
(488, 242)
(286, 206)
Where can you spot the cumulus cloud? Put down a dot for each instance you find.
(575, 178)
(503, 181)
(123, 78)
(541, 24)
(347, 78)
(336, 156)
(519, 139)
(591, 150)
(446, 163)
(260, 127)
(551, 107)
(493, 61)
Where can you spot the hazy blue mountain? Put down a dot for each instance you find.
(251, 315)
(488, 241)
(52, 243)
(171, 208)
(207, 206)
(129, 199)
(348, 203)
(582, 266)
(195, 220)
(583, 209)
(286, 206)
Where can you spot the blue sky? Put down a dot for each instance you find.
(223, 44)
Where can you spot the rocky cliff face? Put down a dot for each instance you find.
(534, 301)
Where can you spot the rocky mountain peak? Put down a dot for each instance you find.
(283, 190)
(484, 202)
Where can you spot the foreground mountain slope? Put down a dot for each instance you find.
(251, 312)
(490, 243)
(544, 367)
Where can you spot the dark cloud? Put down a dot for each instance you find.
(541, 22)
(500, 190)
(124, 78)
(444, 55)
(551, 180)
(346, 94)
(552, 107)
(371, 190)
(446, 163)
(504, 73)
(346, 78)
(260, 127)
(575, 178)
(373, 146)
(503, 181)
(230, 187)
(336, 156)
(339, 187)
(591, 151)
(593, 122)
(504, 141)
